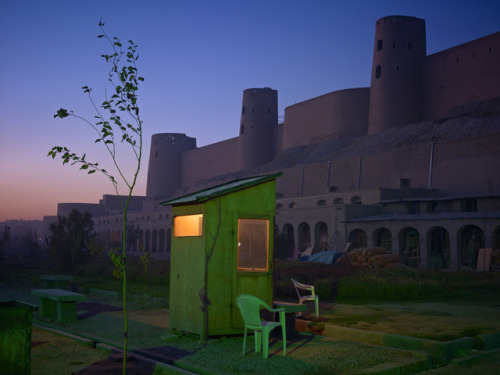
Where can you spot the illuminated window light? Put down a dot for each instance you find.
(188, 225)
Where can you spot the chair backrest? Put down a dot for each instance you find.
(299, 286)
(250, 306)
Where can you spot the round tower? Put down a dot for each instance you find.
(259, 118)
(396, 92)
(165, 164)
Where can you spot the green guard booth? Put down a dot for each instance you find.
(221, 247)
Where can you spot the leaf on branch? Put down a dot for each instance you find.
(61, 113)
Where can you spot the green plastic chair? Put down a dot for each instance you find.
(299, 287)
(250, 307)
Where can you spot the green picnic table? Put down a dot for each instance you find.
(55, 281)
(58, 302)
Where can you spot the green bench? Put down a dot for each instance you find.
(58, 301)
(55, 281)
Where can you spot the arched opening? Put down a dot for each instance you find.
(383, 238)
(320, 236)
(169, 234)
(147, 240)
(154, 241)
(108, 240)
(409, 246)
(140, 244)
(470, 240)
(356, 200)
(162, 241)
(496, 238)
(287, 238)
(132, 237)
(358, 238)
(438, 245)
(378, 72)
(338, 201)
(304, 237)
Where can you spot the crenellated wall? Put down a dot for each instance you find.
(460, 75)
(208, 161)
(464, 166)
(406, 86)
(418, 148)
(328, 116)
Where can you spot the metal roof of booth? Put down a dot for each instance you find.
(207, 194)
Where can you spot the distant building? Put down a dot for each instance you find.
(409, 163)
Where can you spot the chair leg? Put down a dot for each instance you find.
(265, 343)
(283, 333)
(316, 303)
(258, 340)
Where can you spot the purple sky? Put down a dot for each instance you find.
(197, 58)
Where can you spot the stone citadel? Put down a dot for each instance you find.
(410, 163)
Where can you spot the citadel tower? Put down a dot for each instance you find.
(165, 163)
(396, 80)
(259, 118)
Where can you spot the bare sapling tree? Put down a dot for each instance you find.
(116, 121)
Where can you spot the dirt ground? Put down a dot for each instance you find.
(54, 354)
(157, 317)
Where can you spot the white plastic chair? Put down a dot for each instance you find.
(311, 296)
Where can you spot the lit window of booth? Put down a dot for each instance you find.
(221, 247)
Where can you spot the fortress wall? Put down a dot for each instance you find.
(278, 139)
(315, 179)
(326, 117)
(477, 158)
(312, 179)
(462, 74)
(468, 166)
(208, 161)
(344, 174)
(386, 169)
(289, 184)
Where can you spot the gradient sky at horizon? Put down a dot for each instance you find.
(197, 58)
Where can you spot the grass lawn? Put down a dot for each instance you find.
(429, 320)
(436, 306)
(54, 354)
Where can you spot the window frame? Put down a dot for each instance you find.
(267, 239)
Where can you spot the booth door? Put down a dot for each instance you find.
(253, 268)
